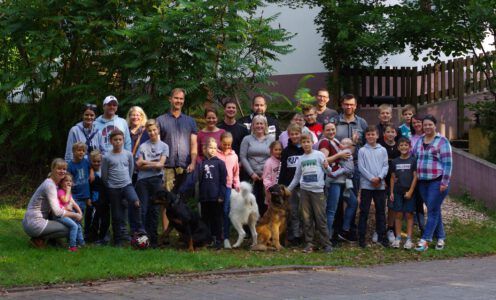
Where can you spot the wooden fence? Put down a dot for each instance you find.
(409, 85)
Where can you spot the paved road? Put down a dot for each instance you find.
(468, 278)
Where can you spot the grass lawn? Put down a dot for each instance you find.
(21, 265)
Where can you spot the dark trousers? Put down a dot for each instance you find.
(379, 197)
(120, 199)
(211, 213)
(97, 220)
(146, 188)
(259, 192)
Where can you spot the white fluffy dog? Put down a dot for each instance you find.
(244, 211)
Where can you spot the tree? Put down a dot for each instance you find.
(60, 54)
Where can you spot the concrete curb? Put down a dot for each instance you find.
(192, 275)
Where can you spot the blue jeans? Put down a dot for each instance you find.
(433, 198)
(333, 196)
(227, 209)
(75, 231)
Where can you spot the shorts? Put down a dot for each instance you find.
(401, 204)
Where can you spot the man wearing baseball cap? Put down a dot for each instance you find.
(109, 121)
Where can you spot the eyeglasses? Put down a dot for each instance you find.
(89, 106)
(309, 115)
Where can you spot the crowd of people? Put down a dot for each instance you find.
(332, 163)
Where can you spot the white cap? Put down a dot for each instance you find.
(109, 99)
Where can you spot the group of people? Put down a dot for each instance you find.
(331, 162)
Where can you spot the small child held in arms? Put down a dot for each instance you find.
(66, 202)
(389, 142)
(290, 158)
(229, 157)
(373, 166)
(100, 222)
(150, 162)
(271, 168)
(211, 174)
(310, 176)
(117, 173)
(79, 168)
(406, 114)
(402, 188)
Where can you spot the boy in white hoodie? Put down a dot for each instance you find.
(373, 166)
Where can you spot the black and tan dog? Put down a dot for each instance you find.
(192, 230)
(273, 224)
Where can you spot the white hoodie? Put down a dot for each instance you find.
(106, 126)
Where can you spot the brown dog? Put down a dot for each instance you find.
(273, 223)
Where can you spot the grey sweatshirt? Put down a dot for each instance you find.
(117, 169)
(310, 173)
(43, 201)
(254, 153)
(372, 162)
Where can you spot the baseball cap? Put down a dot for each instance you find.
(109, 99)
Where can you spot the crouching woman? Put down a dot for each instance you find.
(44, 204)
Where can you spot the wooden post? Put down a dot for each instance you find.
(429, 83)
(364, 84)
(387, 73)
(371, 86)
(436, 82)
(414, 94)
(422, 85)
(468, 75)
(475, 74)
(403, 85)
(380, 74)
(460, 115)
(408, 85)
(443, 80)
(450, 79)
(395, 75)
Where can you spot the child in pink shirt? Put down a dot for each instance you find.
(230, 158)
(66, 202)
(271, 168)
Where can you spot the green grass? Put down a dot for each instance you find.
(22, 265)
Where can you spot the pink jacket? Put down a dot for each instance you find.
(232, 166)
(271, 172)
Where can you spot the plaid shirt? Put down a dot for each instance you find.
(434, 160)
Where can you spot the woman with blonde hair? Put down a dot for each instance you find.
(136, 120)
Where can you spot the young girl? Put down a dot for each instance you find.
(211, 176)
(271, 168)
(230, 158)
(67, 202)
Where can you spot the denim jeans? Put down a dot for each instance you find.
(146, 189)
(119, 199)
(227, 209)
(333, 195)
(75, 231)
(379, 197)
(433, 198)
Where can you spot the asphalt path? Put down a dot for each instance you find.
(465, 278)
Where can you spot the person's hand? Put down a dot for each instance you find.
(191, 167)
(391, 197)
(88, 202)
(376, 182)
(78, 217)
(220, 200)
(345, 155)
(136, 204)
(255, 177)
(325, 164)
(355, 136)
(408, 195)
(237, 189)
(442, 188)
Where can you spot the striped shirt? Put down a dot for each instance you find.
(434, 160)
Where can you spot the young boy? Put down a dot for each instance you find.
(79, 168)
(402, 187)
(373, 166)
(150, 162)
(290, 158)
(406, 113)
(298, 119)
(100, 222)
(389, 142)
(117, 171)
(310, 113)
(385, 117)
(310, 175)
(211, 174)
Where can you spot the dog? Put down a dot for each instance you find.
(192, 230)
(273, 224)
(244, 211)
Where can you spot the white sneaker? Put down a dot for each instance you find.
(408, 244)
(375, 237)
(440, 245)
(227, 244)
(390, 236)
(396, 243)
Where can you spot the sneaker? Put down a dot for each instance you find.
(390, 236)
(375, 237)
(361, 243)
(440, 245)
(396, 243)
(73, 249)
(227, 244)
(344, 236)
(38, 243)
(422, 246)
(408, 244)
(385, 243)
(308, 249)
(328, 249)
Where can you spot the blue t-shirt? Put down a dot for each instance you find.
(81, 179)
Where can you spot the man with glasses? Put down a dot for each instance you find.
(259, 107)
(109, 121)
(324, 113)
